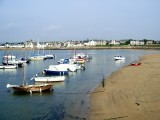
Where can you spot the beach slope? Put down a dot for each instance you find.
(131, 93)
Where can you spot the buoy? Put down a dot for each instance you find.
(30, 91)
(40, 90)
(43, 72)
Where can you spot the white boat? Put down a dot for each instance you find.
(49, 56)
(50, 79)
(72, 62)
(8, 66)
(11, 60)
(61, 69)
(69, 67)
(119, 57)
(36, 58)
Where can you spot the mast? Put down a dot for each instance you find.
(7, 56)
(23, 75)
(24, 53)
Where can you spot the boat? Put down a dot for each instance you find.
(37, 57)
(24, 59)
(135, 64)
(11, 60)
(49, 56)
(50, 79)
(72, 62)
(56, 70)
(8, 66)
(30, 88)
(81, 58)
(119, 57)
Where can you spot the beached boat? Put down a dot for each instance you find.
(50, 79)
(30, 88)
(135, 64)
(119, 57)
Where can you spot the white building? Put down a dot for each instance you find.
(114, 42)
(136, 42)
(29, 44)
(91, 43)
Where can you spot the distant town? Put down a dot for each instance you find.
(127, 43)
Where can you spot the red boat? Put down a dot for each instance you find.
(135, 64)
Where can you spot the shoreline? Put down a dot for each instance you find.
(130, 93)
(87, 48)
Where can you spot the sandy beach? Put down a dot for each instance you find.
(131, 93)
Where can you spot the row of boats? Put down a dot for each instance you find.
(54, 73)
(12, 62)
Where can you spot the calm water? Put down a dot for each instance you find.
(70, 99)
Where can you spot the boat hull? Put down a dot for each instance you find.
(119, 58)
(135, 64)
(32, 88)
(8, 66)
(36, 58)
(52, 72)
(50, 79)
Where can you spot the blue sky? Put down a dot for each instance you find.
(60, 20)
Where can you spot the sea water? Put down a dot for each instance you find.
(70, 99)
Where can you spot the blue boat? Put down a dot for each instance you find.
(56, 70)
(52, 72)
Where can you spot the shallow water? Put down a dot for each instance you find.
(70, 99)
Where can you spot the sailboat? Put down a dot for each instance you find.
(24, 59)
(37, 57)
(7, 65)
(30, 88)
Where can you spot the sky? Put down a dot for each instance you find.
(61, 20)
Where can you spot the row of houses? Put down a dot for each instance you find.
(70, 44)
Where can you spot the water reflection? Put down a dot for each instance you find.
(119, 62)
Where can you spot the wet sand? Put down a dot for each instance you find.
(131, 93)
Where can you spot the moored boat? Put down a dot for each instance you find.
(49, 56)
(72, 62)
(11, 60)
(36, 58)
(50, 79)
(119, 57)
(56, 70)
(31, 88)
(8, 66)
